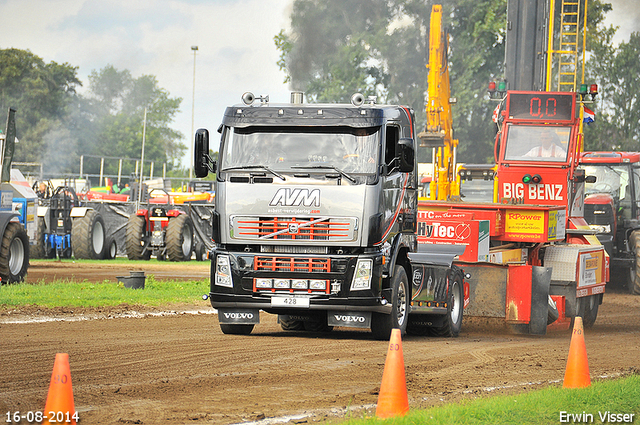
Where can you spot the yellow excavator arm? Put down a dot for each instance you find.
(438, 133)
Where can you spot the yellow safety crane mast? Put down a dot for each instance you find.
(438, 133)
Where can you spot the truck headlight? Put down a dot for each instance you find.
(362, 276)
(223, 271)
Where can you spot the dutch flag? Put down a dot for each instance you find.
(589, 116)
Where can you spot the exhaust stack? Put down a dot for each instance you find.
(297, 97)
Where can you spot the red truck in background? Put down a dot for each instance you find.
(612, 211)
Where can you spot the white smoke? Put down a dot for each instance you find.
(624, 14)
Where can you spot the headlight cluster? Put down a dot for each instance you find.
(362, 276)
(295, 284)
(223, 271)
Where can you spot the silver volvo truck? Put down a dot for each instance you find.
(316, 218)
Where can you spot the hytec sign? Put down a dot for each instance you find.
(436, 227)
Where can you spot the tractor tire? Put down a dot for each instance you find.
(633, 282)
(111, 249)
(382, 324)
(41, 249)
(88, 236)
(180, 238)
(135, 239)
(455, 306)
(14, 254)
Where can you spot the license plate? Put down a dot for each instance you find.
(300, 302)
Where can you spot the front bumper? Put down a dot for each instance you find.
(336, 270)
(372, 304)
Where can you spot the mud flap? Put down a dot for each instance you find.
(540, 282)
(239, 316)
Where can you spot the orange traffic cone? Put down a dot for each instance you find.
(392, 399)
(577, 373)
(59, 407)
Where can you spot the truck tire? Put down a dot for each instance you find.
(419, 325)
(290, 325)
(41, 249)
(14, 254)
(229, 329)
(135, 239)
(634, 274)
(318, 324)
(180, 238)
(455, 306)
(382, 324)
(88, 236)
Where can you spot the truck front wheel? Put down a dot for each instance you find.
(382, 324)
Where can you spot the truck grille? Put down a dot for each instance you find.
(293, 264)
(295, 228)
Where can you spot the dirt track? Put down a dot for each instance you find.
(177, 367)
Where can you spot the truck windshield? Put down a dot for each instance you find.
(537, 143)
(351, 150)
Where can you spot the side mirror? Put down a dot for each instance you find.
(201, 153)
(406, 155)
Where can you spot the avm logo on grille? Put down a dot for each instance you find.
(296, 197)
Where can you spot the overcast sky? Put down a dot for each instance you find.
(236, 52)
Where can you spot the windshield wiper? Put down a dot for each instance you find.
(251, 167)
(327, 167)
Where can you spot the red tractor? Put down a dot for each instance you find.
(611, 209)
(161, 231)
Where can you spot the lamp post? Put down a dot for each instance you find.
(193, 107)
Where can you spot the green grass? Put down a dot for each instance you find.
(69, 293)
(618, 396)
(117, 260)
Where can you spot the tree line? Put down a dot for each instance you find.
(55, 124)
(336, 48)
